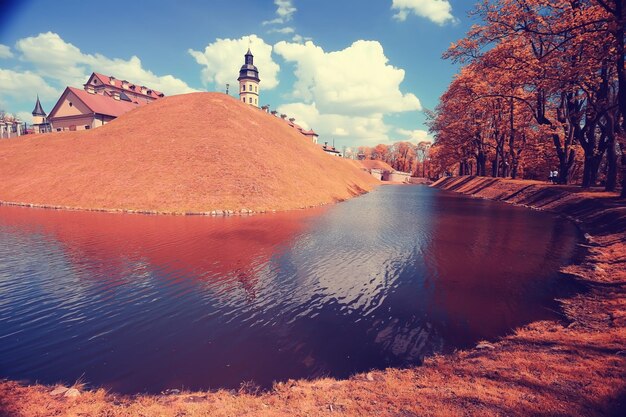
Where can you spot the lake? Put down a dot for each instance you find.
(140, 303)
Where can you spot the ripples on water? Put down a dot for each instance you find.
(144, 303)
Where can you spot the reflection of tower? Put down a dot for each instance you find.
(249, 81)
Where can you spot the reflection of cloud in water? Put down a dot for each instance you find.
(355, 261)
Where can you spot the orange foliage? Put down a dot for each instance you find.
(400, 156)
(541, 76)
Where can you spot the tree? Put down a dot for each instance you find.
(422, 154)
(559, 61)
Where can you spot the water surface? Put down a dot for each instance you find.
(144, 303)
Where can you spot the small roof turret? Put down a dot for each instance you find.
(38, 110)
(248, 71)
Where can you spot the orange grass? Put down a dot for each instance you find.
(189, 153)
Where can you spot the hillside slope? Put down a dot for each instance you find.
(376, 164)
(188, 153)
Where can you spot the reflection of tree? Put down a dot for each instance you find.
(495, 266)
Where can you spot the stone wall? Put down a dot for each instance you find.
(397, 176)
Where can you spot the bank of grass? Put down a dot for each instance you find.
(576, 367)
(198, 153)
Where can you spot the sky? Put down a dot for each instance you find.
(357, 72)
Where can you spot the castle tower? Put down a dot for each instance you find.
(38, 114)
(40, 122)
(249, 81)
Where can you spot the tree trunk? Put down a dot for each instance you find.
(514, 167)
(481, 161)
(611, 160)
(623, 193)
(565, 165)
(504, 172)
(620, 12)
(590, 170)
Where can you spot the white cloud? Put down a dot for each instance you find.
(345, 94)
(438, 11)
(56, 59)
(284, 12)
(284, 31)
(25, 116)
(5, 51)
(23, 86)
(300, 39)
(348, 130)
(417, 135)
(223, 58)
(354, 81)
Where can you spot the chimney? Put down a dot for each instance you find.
(143, 89)
(124, 84)
(112, 80)
(283, 116)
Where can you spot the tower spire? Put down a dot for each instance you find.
(249, 81)
(38, 110)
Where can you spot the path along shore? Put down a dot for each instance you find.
(574, 367)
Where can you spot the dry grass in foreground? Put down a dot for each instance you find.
(574, 368)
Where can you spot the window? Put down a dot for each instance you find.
(243, 99)
(87, 127)
(250, 100)
(243, 87)
(58, 129)
(255, 101)
(71, 104)
(255, 89)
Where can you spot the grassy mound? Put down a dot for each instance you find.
(188, 153)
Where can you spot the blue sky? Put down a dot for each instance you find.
(357, 72)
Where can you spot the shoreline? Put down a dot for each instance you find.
(572, 367)
(210, 213)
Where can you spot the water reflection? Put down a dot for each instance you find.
(143, 303)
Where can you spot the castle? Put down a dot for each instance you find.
(249, 93)
(103, 98)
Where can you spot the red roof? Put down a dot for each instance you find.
(102, 104)
(106, 80)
